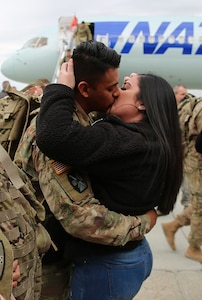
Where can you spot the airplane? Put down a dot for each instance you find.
(170, 47)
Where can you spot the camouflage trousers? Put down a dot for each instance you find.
(192, 215)
(184, 218)
(55, 280)
(185, 200)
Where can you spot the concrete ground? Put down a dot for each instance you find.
(173, 276)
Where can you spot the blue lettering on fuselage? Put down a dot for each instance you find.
(199, 50)
(185, 29)
(188, 28)
(113, 29)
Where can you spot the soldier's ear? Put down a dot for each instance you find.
(83, 88)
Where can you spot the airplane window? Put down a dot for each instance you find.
(151, 39)
(36, 42)
(160, 38)
(171, 39)
(181, 39)
(191, 39)
(131, 39)
(43, 41)
(142, 39)
(120, 38)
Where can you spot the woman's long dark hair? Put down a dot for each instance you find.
(161, 111)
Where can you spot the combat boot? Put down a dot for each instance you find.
(169, 230)
(194, 253)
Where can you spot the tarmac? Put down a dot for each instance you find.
(174, 276)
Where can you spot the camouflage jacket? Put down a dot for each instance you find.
(80, 214)
(82, 34)
(190, 117)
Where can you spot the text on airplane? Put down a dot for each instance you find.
(158, 43)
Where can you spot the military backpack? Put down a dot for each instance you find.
(20, 214)
(16, 111)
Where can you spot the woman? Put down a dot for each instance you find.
(135, 163)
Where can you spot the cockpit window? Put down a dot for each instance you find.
(36, 42)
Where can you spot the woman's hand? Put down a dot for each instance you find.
(66, 75)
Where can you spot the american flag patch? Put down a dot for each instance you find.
(59, 167)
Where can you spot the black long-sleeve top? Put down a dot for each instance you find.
(116, 154)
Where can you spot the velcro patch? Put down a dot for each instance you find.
(2, 259)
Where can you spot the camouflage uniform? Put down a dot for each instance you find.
(190, 116)
(6, 266)
(82, 34)
(78, 212)
(19, 212)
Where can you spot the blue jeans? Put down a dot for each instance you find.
(116, 276)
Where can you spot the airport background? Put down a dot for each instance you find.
(173, 276)
(22, 19)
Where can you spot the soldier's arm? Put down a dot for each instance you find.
(86, 219)
(95, 223)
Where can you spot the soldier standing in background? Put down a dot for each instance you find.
(180, 92)
(5, 86)
(68, 54)
(180, 95)
(82, 33)
(190, 115)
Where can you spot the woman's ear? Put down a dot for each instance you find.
(83, 88)
(141, 107)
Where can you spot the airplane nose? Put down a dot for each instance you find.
(8, 69)
(15, 68)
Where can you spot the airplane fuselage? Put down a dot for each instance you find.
(169, 47)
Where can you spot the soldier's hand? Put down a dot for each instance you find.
(16, 273)
(152, 214)
(66, 75)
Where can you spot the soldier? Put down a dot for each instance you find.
(82, 33)
(113, 152)
(19, 234)
(180, 92)
(67, 57)
(180, 95)
(190, 114)
(5, 86)
(69, 196)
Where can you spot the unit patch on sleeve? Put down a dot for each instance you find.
(2, 259)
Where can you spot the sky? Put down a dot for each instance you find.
(22, 19)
